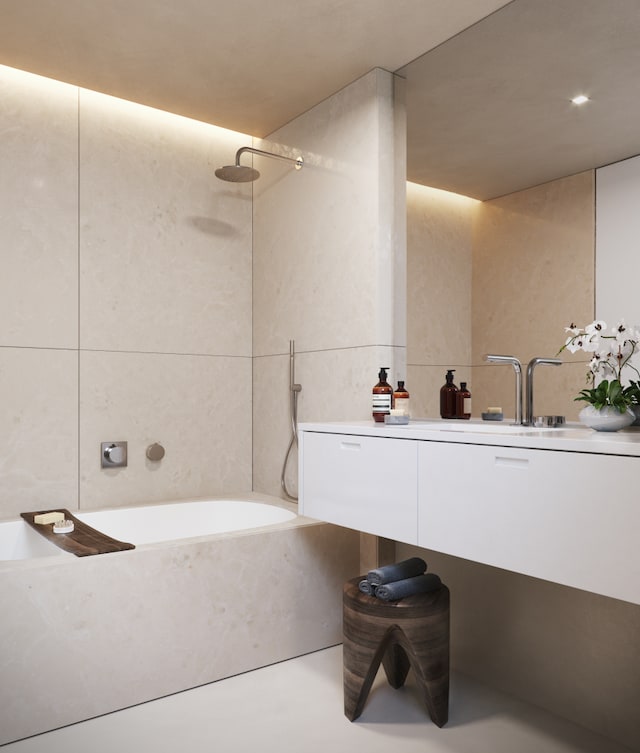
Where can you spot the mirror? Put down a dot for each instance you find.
(489, 115)
(489, 112)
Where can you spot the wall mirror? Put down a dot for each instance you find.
(489, 111)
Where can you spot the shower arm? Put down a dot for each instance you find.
(298, 161)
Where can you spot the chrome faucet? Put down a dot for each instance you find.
(517, 367)
(529, 419)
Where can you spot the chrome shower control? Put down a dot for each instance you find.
(113, 454)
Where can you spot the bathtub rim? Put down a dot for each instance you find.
(57, 559)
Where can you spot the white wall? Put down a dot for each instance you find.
(617, 233)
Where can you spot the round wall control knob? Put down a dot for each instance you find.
(114, 455)
(155, 452)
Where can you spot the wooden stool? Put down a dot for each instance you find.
(410, 633)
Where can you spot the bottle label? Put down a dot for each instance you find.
(402, 404)
(381, 402)
(466, 406)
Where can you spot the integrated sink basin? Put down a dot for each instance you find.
(484, 427)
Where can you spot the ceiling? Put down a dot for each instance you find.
(490, 112)
(488, 104)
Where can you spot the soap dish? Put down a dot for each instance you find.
(396, 420)
(492, 416)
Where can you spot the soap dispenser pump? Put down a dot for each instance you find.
(382, 396)
(448, 397)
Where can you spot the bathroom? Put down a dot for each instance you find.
(105, 339)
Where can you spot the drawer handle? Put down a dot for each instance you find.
(349, 445)
(512, 462)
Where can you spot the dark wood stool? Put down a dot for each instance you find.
(410, 633)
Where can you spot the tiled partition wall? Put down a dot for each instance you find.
(329, 265)
(125, 301)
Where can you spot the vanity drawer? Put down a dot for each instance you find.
(571, 518)
(365, 483)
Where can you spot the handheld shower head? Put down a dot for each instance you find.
(242, 174)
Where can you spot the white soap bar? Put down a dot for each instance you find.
(48, 517)
(494, 410)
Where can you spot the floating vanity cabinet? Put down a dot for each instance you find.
(568, 517)
(562, 506)
(365, 483)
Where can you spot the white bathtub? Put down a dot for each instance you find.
(18, 541)
(149, 524)
(84, 636)
(184, 520)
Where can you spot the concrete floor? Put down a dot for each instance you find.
(296, 707)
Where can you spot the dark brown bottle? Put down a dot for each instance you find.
(401, 399)
(382, 396)
(463, 401)
(448, 395)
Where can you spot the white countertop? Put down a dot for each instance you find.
(572, 438)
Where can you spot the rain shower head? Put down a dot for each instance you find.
(237, 173)
(242, 174)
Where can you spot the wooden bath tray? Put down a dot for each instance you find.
(82, 541)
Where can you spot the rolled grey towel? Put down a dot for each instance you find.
(367, 588)
(398, 571)
(419, 584)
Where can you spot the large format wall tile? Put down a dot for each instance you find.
(439, 235)
(572, 652)
(39, 199)
(336, 386)
(325, 257)
(533, 274)
(197, 407)
(39, 437)
(165, 251)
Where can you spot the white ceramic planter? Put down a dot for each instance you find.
(606, 419)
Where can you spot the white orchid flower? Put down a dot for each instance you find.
(592, 343)
(612, 349)
(620, 331)
(596, 328)
(621, 349)
(575, 343)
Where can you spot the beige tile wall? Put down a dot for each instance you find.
(439, 259)
(39, 199)
(125, 301)
(533, 274)
(328, 259)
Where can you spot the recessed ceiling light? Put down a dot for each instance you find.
(580, 99)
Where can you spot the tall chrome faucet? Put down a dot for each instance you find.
(529, 420)
(517, 367)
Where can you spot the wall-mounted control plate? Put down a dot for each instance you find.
(113, 454)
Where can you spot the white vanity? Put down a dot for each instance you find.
(558, 504)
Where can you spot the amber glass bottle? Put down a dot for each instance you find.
(401, 399)
(448, 395)
(463, 399)
(382, 396)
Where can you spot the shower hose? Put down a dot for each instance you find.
(294, 391)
